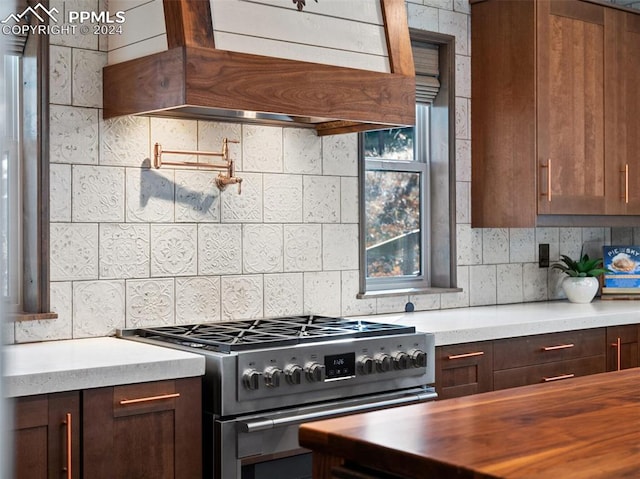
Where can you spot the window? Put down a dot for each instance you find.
(407, 178)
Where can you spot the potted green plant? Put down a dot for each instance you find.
(581, 283)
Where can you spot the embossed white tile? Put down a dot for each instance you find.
(463, 160)
(49, 329)
(463, 76)
(125, 141)
(68, 35)
(463, 202)
(262, 148)
(509, 283)
(247, 206)
(456, 24)
(352, 306)
(283, 294)
(87, 77)
(74, 251)
(495, 245)
(262, 248)
(174, 250)
(461, 299)
(302, 247)
(522, 245)
(425, 302)
(534, 282)
(463, 130)
(321, 197)
(59, 192)
(242, 297)
(73, 134)
(219, 249)
(570, 243)
(469, 241)
(340, 155)
(282, 198)
(340, 247)
(550, 236)
(391, 304)
(197, 299)
(150, 302)
(149, 195)
(349, 200)
(174, 134)
(197, 196)
(124, 251)
(302, 151)
(60, 75)
(322, 293)
(482, 285)
(422, 18)
(98, 193)
(98, 308)
(211, 135)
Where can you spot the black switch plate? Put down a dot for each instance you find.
(543, 255)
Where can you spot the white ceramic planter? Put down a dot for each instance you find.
(580, 290)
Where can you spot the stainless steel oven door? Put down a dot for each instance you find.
(253, 440)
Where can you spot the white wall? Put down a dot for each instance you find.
(131, 246)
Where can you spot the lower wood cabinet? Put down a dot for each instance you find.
(463, 369)
(146, 430)
(47, 436)
(623, 347)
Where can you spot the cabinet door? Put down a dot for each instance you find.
(464, 369)
(570, 105)
(623, 349)
(143, 430)
(47, 436)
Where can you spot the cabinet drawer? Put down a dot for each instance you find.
(464, 369)
(509, 378)
(548, 348)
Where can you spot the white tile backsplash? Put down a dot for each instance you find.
(302, 152)
(124, 141)
(321, 199)
(302, 247)
(98, 308)
(197, 299)
(98, 194)
(484, 281)
(340, 247)
(282, 198)
(262, 148)
(262, 248)
(283, 294)
(197, 200)
(87, 77)
(340, 155)
(322, 293)
(74, 251)
(149, 195)
(150, 302)
(174, 250)
(219, 249)
(60, 75)
(73, 135)
(60, 192)
(242, 297)
(124, 251)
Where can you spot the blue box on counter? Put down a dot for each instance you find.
(623, 262)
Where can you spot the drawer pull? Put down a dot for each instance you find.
(558, 378)
(560, 346)
(124, 402)
(466, 355)
(69, 430)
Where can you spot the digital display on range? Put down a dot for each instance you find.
(338, 366)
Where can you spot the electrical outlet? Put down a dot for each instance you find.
(543, 255)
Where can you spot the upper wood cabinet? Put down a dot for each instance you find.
(553, 133)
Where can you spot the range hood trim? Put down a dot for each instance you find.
(194, 80)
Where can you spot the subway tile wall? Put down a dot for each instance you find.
(133, 246)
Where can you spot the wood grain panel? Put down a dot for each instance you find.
(188, 23)
(394, 13)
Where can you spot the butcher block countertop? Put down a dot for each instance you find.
(586, 428)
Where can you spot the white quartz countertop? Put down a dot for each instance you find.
(54, 366)
(453, 326)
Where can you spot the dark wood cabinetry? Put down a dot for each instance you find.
(623, 347)
(47, 436)
(147, 430)
(463, 369)
(553, 130)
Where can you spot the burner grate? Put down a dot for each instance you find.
(273, 332)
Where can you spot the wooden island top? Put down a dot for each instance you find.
(582, 428)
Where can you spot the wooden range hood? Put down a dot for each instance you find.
(193, 79)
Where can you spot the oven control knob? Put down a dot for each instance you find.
(272, 377)
(401, 360)
(315, 372)
(251, 379)
(365, 365)
(383, 362)
(418, 358)
(293, 374)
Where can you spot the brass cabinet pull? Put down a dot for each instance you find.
(124, 402)
(558, 378)
(67, 422)
(560, 346)
(626, 183)
(617, 345)
(548, 167)
(466, 355)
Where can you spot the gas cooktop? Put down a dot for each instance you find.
(266, 333)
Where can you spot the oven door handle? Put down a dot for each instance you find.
(263, 424)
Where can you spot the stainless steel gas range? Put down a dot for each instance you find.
(265, 377)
